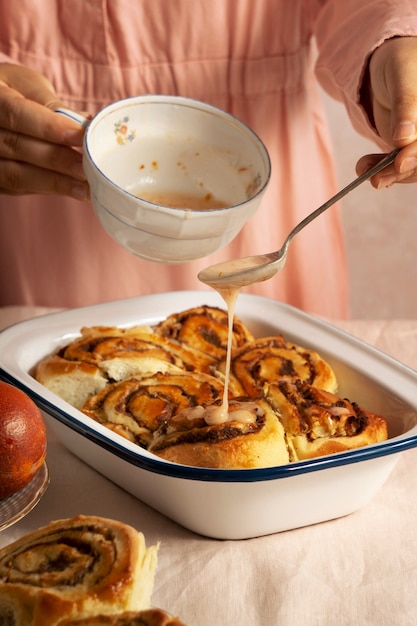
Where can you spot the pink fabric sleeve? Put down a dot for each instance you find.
(347, 32)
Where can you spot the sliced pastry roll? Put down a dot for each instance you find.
(318, 422)
(255, 440)
(136, 407)
(206, 329)
(272, 358)
(75, 568)
(151, 617)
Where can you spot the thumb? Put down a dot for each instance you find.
(397, 93)
(404, 105)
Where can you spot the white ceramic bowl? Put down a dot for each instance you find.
(230, 504)
(178, 148)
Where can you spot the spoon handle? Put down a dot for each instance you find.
(389, 158)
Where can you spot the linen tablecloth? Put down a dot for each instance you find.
(360, 569)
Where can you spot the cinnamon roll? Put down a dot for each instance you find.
(136, 407)
(318, 422)
(105, 354)
(271, 359)
(123, 352)
(75, 568)
(206, 329)
(151, 617)
(257, 441)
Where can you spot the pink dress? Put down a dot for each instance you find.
(256, 59)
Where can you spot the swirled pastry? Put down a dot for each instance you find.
(206, 329)
(75, 568)
(271, 359)
(151, 617)
(259, 442)
(123, 352)
(318, 422)
(105, 354)
(136, 407)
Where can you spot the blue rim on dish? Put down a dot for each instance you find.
(295, 323)
(390, 446)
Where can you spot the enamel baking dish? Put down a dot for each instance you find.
(229, 504)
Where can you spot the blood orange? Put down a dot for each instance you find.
(22, 439)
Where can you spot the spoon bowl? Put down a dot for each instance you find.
(256, 269)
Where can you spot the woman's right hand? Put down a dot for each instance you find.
(39, 149)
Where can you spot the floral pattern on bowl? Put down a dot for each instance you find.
(122, 131)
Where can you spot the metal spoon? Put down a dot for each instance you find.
(255, 269)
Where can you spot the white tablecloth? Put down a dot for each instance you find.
(358, 570)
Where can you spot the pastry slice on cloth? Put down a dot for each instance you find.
(136, 407)
(318, 422)
(75, 568)
(272, 358)
(151, 617)
(204, 328)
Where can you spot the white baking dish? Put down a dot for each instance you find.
(229, 504)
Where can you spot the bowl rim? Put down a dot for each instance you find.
(182, 102)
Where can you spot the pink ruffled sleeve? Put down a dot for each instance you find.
(347, 32)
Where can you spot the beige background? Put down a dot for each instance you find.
(380, 229)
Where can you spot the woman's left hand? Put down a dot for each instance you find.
(393, 99)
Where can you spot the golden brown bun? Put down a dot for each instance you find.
(151, 617)
(75, 568)
(204, 328)
(228, 445)
(269, 359)
(318, 422)
(136, 407)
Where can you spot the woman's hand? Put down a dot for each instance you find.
(38, 148)
(393, 99)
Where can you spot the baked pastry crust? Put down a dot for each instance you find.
(205, 328)
(270, 359)
(228, 445)
(150, 617)
(123, 352)
(319, 423)
(137, 407)
(75, 568)
(104, 354)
